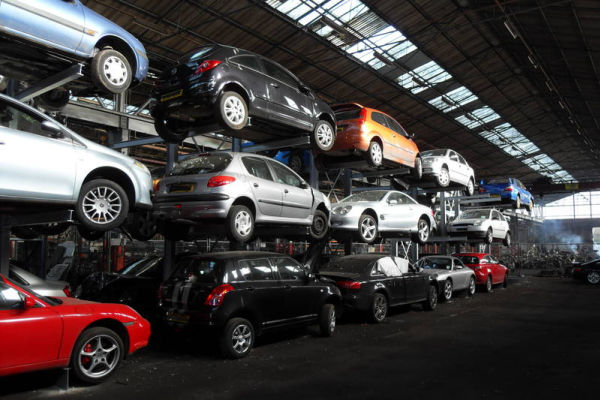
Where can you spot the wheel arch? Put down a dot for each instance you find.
(122, 47)
(114, 326)
(323, 208)
(237, 88)
(249, 315)
(115, 175)
(245, 201)
(372, 213)
(327, 117)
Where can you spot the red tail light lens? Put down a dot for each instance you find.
(155, 185)
(349, 285)
(481, 190)
(217, 295)
(508, 189)
(577, 269)
(67, 291)
(220, 180)
(206, 65)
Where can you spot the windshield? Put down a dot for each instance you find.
(499, 181)
(475, 214)
(436, 263)
(204, 164)
(347, 114)
(196, 54)
(144, 267)
(468, 259)
(357, 266)
(434, 153)
(369, 195)
(198, 270)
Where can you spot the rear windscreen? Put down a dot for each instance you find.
(498, 181)
(205, 164)
(468, 259)
(197, 54)
(201, 270)
(357, 266)
(346, 115)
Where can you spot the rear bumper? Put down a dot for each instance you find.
(185, 207)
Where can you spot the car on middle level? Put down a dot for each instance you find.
(450, 274)
(237, 191)
(508, 190)
(372, 283)
(485, 224)
(248, 95)
(37, 284)
(488, 269)
(242, 294)
(371, 214)
(446, 166)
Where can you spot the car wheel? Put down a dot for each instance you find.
(141, 225)
(174, 231)
(237, 338)
(323, 136)
(517, 204)
(327, 320)
(111, 71)
(507, 239)
(89, 235)
(52, 229)
(489, 287)
(375, 154)
(295, 162)
(447, 291)
(593, 277)
(423, 231)
(417, 171)
(505, 281)
(102, 205)
(54, 100)
(471, 288)
(320, 225)
(470, 187)
(432, 299)
(379, 308)
(232, 111)
(96, 355)
(443, 178)
(530, 206)
(489, 236)
(240, 223)
(168, 129)
(367, 228)
(24, 232)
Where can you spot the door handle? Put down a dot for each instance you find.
(256, 185)
(285, 191)
(274, 85)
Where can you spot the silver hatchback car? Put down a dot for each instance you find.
(239, 191)
(44, 162)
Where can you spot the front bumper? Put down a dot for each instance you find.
(348, 222)
(470, 231)
(139, 334)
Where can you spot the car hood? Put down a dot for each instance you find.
(356, 204)
(121, 311)
(466, 221)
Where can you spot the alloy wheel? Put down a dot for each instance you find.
(324, 136)
(488, 284)
(234, 110)
(243, 223)
(376, 153)
(368, 227)
(99, 356)
(423, 230)
(472, 286)
(241, 338)
(593, 277)
(380, 308)
(115, 71)
(447, 290)
(332, 320)
(102, 205)
(444, 177)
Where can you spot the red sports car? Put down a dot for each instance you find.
(488, 270)
(39, 332)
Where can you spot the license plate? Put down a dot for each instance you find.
(172, 95)
(177, 317)
(181, 188)
(495, 195)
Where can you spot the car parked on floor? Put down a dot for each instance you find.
(589, 271)
(43, 163)
(369, 134)
(237, 191)
(481, 224)
(38, 285)
(372, 283)
(68, 28)
(450, 274)
(43, 332)
(242, 294)
(446, 166)
(487, 268)
(250, 96)
(372, 214)
(508, 190)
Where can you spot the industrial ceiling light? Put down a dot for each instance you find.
(511, 29)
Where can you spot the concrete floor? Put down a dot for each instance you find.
(537, 339)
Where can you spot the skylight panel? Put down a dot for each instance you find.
(423, 77)
(453, 99)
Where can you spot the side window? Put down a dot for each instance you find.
(257, 269)
(461, 159)
(399, 198)
(10, 298)
(453, 156)
(289, 270)
(247, 61)
(275, 71)
(21, 120)
(257, 168)
(395, 126)
(457, 263)
(379, 118)
(495, 215)
(285, 175)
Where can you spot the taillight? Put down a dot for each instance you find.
(155, 185)
(206, 65)
(508, 189)
(217, 295)
(348, 284)
(481, 190)
(67, 291)
(363, 114)
(577, 269)
(220, 180)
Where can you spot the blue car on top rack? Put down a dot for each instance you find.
(510, 190)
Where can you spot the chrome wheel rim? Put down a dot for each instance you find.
(115, 71)
(234, 110)
(447, 290)
(241, 338)
(332, 320)
(99, 356)
(243, 223)
(432, 298)
(488, 284)
(444, 177)
(376, 153)
(380, 310)
(490, 237)
(472, 286)
(324, 135)
(368, 228)
(507, 239)
(423, 230)
(470, 188)
(102, 205)
(593, 277)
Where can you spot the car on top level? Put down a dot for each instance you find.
(248, 95)
(369, 134)
(446, 166)
(508, 190)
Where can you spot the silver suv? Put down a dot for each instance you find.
(240, 190)
(42, 161)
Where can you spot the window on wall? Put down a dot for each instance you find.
(578, 205)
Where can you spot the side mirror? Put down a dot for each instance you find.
(52, 128)
(303, 185)
(28, 303)
(393, 202)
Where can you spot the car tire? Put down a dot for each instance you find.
(320, 225)
(470, 189)
(174, 231)
(111, 71)
(489, 236)
(240, 224)
(327, 321)
(367, 228)
(105, 349)
(379, 308)
(141, 225)
(323, 136)
(89, 235)
(232, 111)
(52, 229)
(432, 299)
(98, 194)
(443, 178)
(237, 338)
(417, 171)
(167, 128)
(530, 206)
(296, 163)
(517, 204)
(593, 277)
(446, 294)
(375, 154)
(54, 100)
(505, 281)
(489, 287)
(507, 240)
(472, 287)
(423, 232)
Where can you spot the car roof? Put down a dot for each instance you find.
(471, 254)
(236, 255)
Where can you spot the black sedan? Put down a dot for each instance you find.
(372, 283)
(589, 271)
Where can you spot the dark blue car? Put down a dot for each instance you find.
(509, 190)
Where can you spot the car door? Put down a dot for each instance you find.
(287, 104)
(403, 148)
(395, 213)
(460, 274)
(498, 225)
(390, 276)
(496, 268)
(35, 163)
(55, 23)
(454, 167)
(297, 195)
(417, 284)
(28, 336)
(300, 296)
(465, 170)
(267, 193)
(251, 73)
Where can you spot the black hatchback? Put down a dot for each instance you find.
(250, 96)
(241, 294)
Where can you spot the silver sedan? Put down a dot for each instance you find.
(450, 273)
(376, 213)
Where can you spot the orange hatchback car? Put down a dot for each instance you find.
(376, 137)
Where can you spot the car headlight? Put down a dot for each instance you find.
(477, 223)
(141, 166)
(343, 210)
